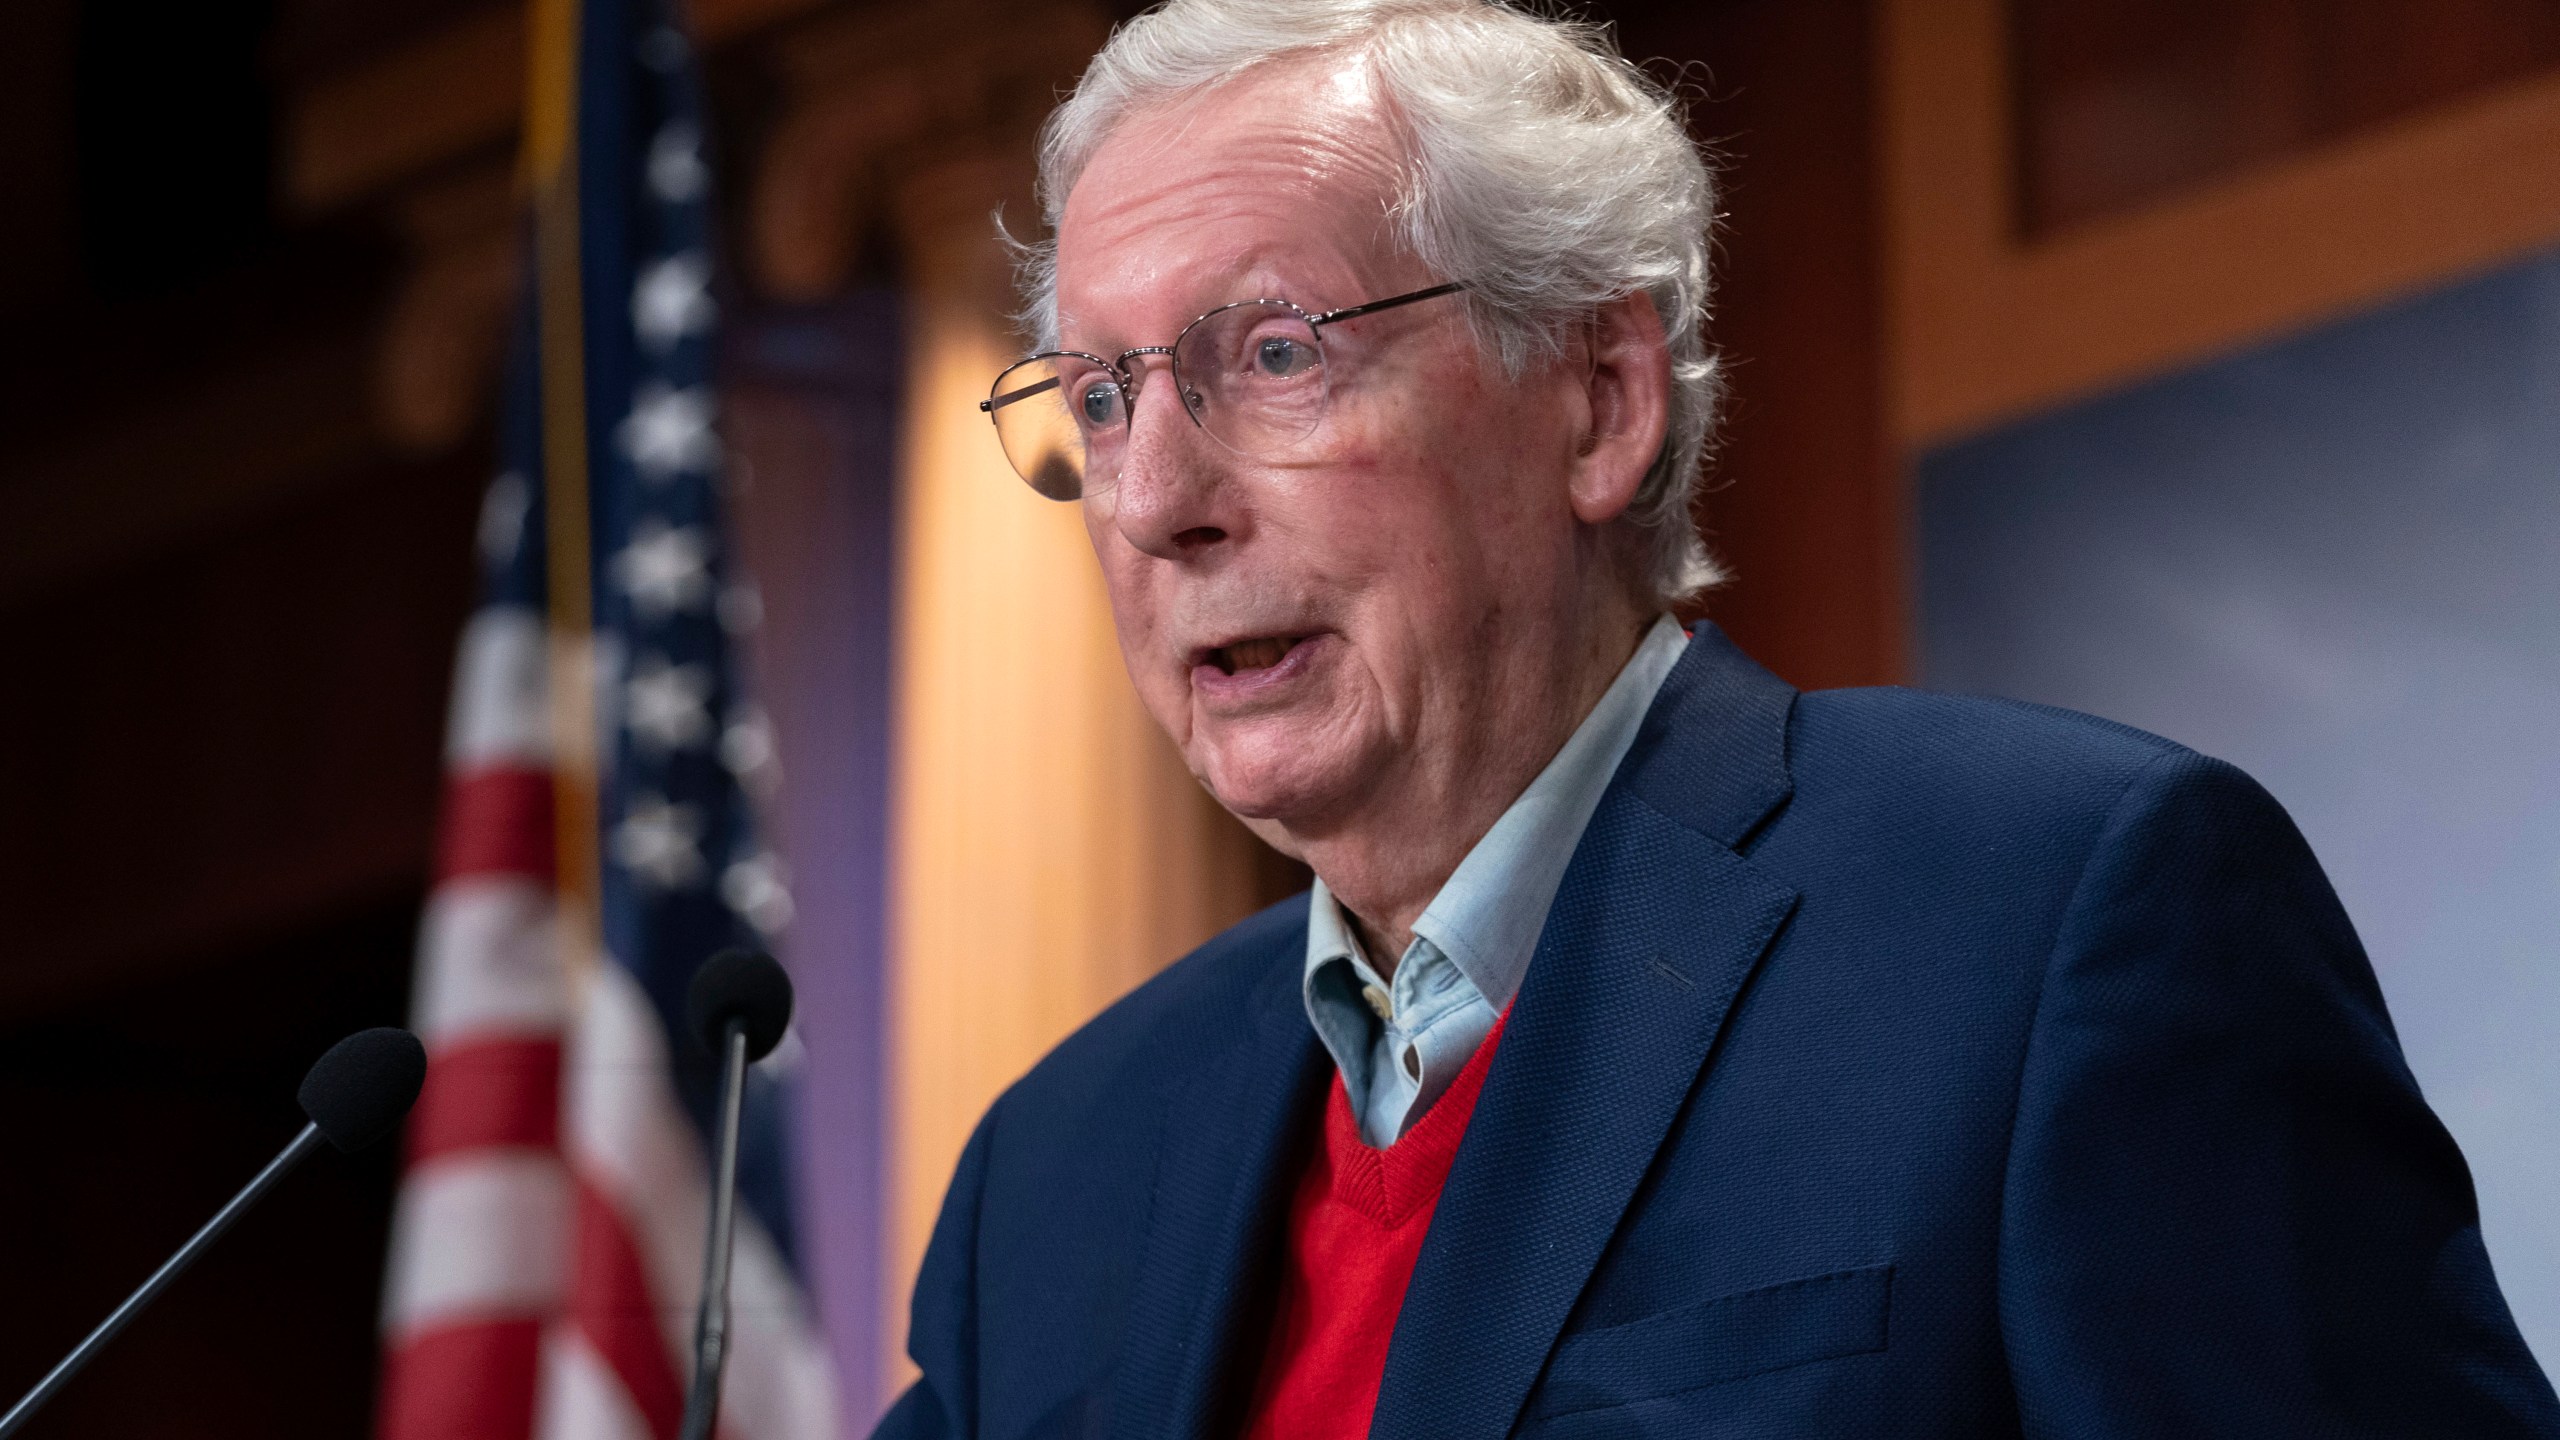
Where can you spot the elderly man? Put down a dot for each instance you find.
(1660, 1051)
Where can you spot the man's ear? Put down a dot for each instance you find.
(1628, 391)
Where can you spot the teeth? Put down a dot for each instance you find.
(1255, 654)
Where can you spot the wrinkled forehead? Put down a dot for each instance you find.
(1278, 182)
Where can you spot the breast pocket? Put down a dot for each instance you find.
(1821, 1317)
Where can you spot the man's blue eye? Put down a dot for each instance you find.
(1279, 356)
(1101, 405)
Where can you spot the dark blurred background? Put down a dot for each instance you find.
(254, 265)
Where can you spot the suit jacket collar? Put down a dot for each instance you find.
(1712, 754)
(1656, 927)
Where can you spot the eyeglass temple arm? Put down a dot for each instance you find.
(988, 405)
(1353, 312)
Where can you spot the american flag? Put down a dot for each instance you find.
(597, 843)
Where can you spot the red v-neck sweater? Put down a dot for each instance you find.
(1355, 1230)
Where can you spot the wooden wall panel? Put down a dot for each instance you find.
(1804, 502)
(2124, 104)
(221, 741)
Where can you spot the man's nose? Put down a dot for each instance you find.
(1171, 498)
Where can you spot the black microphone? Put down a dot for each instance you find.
(354, 1095)
(740, 1004)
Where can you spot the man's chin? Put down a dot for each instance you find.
(1267, 781)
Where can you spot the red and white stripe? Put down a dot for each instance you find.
(479, 1243)
(545, 1252)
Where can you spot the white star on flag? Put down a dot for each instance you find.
(662, 50)
(669, 430)
(747, 748)
(660, 843)
(667, 707)
(673, 300)
(758, 888)
(676, 171)
(665, 569)
(502, 516)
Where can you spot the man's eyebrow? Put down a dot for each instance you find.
(1249, 276)
(1101, 343)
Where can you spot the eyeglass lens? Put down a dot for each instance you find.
(1251, 375)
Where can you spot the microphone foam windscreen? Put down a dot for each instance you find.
(743, 985)
(357, 1092)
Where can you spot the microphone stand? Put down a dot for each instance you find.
(711, 1322)
(303, 1144)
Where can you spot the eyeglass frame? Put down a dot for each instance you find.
(1128, 380)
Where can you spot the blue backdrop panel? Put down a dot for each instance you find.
(2334, 561)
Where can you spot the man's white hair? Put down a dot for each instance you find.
(1540, 168)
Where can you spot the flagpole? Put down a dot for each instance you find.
(551, 173)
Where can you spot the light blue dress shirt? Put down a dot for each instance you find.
(1399, 1043)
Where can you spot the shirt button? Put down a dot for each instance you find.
(1379, 1001)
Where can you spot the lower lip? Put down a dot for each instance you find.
(1247, 687)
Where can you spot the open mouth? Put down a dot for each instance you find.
(1243, 657)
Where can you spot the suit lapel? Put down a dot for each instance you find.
(1221, 1192)
(1656, 928)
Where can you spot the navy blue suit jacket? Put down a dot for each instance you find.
(1890, 1064)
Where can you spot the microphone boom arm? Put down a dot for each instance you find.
(303, 1144)
(711, 1322)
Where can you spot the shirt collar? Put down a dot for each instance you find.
(1489, 912)
(1340, 1016)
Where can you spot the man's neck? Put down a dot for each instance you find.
(1386, 863)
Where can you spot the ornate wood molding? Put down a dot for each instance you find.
(1987, 327)
(913, 123)
(442, 337)
(355, 134)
